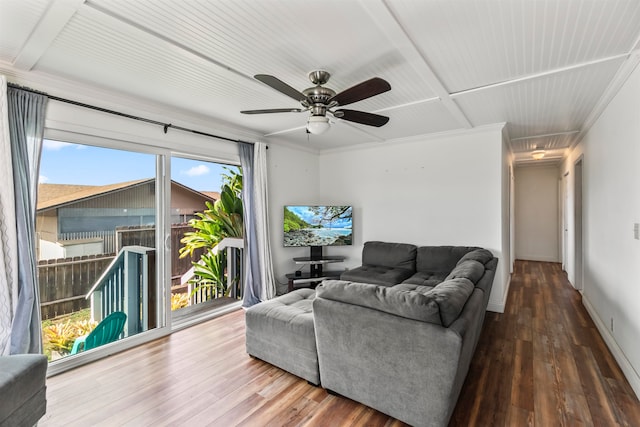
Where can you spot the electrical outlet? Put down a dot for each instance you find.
(612, 324)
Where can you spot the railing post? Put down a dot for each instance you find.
(143, 291)
(131, 292)
(96, 306)
(152, 293)
(231, 261)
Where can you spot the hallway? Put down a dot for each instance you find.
(543, 362)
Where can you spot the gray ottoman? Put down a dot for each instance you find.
(22, 389)
(280, 331)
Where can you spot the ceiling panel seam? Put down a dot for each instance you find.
(539, 75)
(546, 135)
(53, 21)
(388, 23)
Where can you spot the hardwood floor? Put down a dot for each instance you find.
(540, 363)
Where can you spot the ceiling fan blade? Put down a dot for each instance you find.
(281, 86)
(361, 117)
(364, 90)
(274, 110)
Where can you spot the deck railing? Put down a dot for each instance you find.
(127, 285)
(233, 271)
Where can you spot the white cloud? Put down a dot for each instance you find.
(47, 144)
(42, 179)
(197, 170)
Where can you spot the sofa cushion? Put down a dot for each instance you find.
(440, 258)
(393, 255)
(440, 305)
(483, 256)
(426, 278)
(467, 269)
(404, 286)
(376, 274)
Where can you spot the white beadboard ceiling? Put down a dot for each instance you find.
(546, 68)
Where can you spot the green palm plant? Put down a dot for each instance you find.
(209, 273)
(220, 220)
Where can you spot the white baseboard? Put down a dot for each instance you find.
(628, 370)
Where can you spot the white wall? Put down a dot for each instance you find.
(438, 190)
(537, 228)
(293, 179)
(611, 206)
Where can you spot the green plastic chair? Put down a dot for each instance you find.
(107, 331)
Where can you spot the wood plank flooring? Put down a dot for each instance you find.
(540, 363)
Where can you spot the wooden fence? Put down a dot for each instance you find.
(64, 283)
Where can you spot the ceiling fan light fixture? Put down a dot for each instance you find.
(538, 154)
(318, 124)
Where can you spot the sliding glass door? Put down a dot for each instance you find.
(100, 245)
(206, 237)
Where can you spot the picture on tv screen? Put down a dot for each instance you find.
(318, 225)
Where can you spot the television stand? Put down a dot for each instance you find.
(316, 273)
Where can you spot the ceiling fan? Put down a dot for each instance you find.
(320, 100)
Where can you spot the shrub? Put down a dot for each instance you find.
(179, 301)
(59, 336)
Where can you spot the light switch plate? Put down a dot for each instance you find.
(636, 231)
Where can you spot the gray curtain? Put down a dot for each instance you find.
(260, 284)
(252, 264)
(26, 128)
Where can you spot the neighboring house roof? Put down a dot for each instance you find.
(53, 196)
(211, 194)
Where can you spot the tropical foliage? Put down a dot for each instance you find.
(179, 300)
(220, 220)
(293, 222)
(59, 335)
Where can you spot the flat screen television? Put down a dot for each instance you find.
(318, 225)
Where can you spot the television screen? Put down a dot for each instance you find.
(318, 226)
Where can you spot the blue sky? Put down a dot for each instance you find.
(65, 163)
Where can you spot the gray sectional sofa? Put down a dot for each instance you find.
(397, 334)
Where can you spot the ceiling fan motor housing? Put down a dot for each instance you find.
(319, 95)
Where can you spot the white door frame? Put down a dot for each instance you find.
(578, 223)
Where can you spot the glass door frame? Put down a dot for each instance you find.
(210, 314)
(162, 241)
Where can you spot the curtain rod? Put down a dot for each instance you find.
(165, 126)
